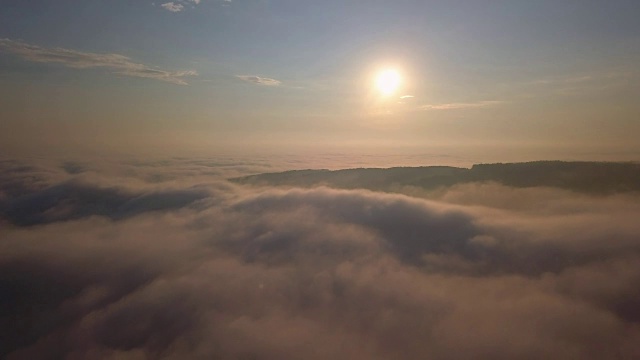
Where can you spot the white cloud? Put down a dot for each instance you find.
(456, 106)
(260, 80)
(120, 64)
(173, 7)
(179, 5)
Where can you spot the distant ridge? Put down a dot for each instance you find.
(586, 177)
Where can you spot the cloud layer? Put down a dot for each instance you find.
(119, 64)
(111, 260)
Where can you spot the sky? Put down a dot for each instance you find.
(213, 75)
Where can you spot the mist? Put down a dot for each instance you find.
(134, 259)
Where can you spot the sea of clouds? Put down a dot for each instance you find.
(166, 259)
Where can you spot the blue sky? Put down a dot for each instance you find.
(300, 72)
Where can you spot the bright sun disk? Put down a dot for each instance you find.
(388, 81)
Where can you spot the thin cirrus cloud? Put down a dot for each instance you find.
(259, 80)
(119, 64)
(178, 6)
(457, 106)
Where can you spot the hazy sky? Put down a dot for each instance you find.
(209, 74)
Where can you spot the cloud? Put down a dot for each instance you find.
(259, 80)
(457, 106)
(179, 5)
(119, 64)
(173, 7)
(579, 83)
(407, 97)
(232, 272)
(72, 200)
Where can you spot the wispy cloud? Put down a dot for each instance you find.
(259, 80)
(173, 7)
(563, 80)
(456, 106)
(119, 64)
(407, 97)
(179, 5)
(580, 84)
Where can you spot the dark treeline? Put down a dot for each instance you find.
(588, 177)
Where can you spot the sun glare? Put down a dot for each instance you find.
(388, 81)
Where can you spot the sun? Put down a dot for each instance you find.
(388, 81)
